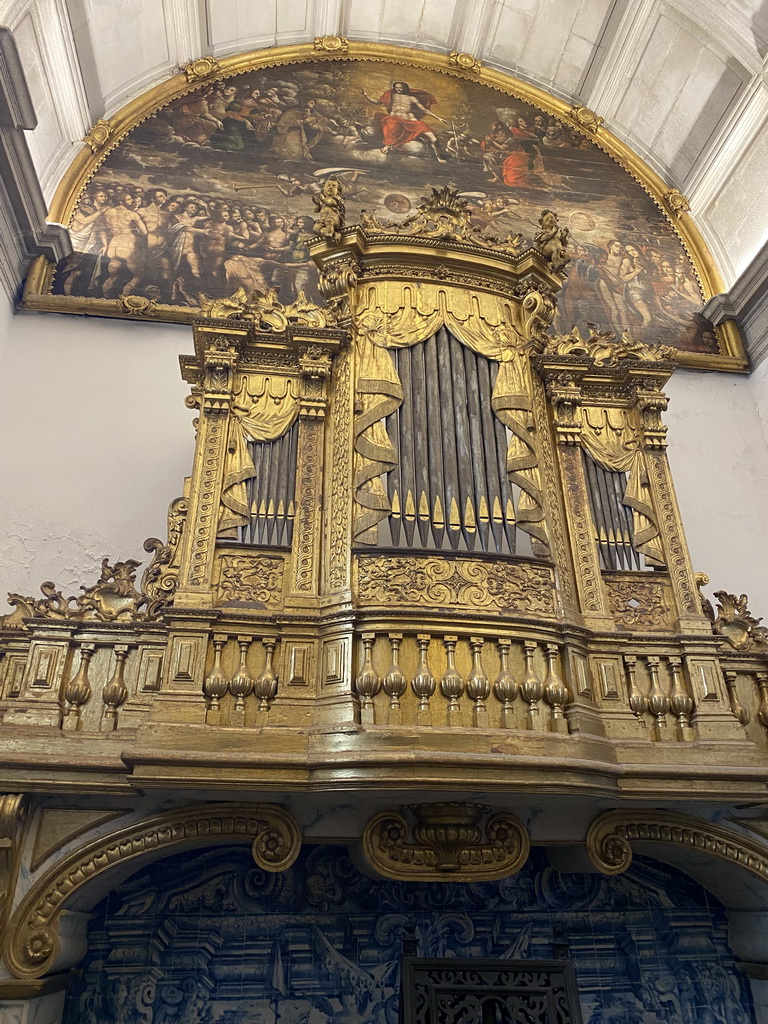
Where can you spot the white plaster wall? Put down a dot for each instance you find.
(95, 441)
(719, 459)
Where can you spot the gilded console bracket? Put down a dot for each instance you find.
(452, 841)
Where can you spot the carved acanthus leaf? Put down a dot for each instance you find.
(605, 349)
(266, 310)
(447, 840)
(445, 215)
(161, 577)
(736, 623)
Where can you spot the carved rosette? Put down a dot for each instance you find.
(610, 838)
(98, 135)
(31, 940)
(198, 70)
(449, 841)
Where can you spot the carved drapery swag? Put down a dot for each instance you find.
(264, 408)
(611, 442)
(392, 314)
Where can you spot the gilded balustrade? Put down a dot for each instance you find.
(593, 643)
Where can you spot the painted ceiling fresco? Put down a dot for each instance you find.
(215, 191)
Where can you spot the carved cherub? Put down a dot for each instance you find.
(329, 204)
(552, 240)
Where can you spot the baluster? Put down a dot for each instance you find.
(658, 701)
(367, 683)
(504, 686)
(241, 683)
(531, 687)
(215, 684)
(638, 702)
(115, 693)
(77, 692)
(423, 683)
(680, 702)
(265, 685)
(555, 691)
(737, 708)
(761, 680)
(478, 685)
(395, 684)
(452, 685)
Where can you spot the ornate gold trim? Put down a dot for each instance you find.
(32, 942)
(610, 837)
(98, 135)
(450, 843)
(137, 110)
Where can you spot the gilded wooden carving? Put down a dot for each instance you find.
(514, 589)
(449, 840)
(31, 943)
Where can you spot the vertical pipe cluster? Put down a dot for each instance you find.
(612, 518)
(450, 487)
(271, 491)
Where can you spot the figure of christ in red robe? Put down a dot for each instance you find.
(403, 122)
(515, 167)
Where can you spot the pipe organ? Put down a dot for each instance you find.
(417, 522)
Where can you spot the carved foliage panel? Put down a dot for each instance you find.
(461, 583)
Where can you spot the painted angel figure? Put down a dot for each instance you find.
(403, 121)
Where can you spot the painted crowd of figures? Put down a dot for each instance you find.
(213, 192)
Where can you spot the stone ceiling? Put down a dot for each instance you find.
(683, 82)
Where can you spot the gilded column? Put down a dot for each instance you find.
(565, 398)
(213, 397)
(650, 404)
(315, 367)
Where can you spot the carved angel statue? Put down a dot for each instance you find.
(329, 204)
(552, 240)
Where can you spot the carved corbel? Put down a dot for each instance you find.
(315, 368)
(651, 403)
(449, 841)
(565, 396)
(13, 811)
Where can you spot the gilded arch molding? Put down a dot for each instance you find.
(32, 944)
(610, 838)
(106, 135)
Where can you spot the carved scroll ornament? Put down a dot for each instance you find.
(610, 838)
(434, 582)
(32, 943)
(449, 840)
(396, 314)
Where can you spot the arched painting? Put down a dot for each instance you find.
(214, 191)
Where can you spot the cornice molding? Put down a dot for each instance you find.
(747, 303)
(21, 197)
